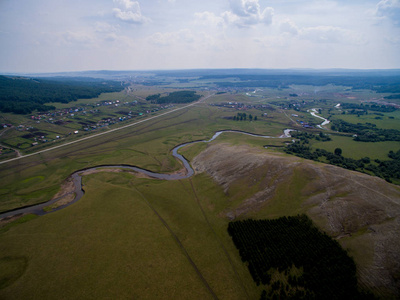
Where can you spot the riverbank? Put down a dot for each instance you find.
(59, 202)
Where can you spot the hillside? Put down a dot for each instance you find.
(360, 211)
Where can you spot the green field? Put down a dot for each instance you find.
(358, 150)
(383, 122)
(132, 237)
(113, 243)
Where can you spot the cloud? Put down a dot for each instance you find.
(242, 13)
(287, 26)
(187, 39)
(81, 38)
(389, 9)
(129, 11)
(395, 40)
(208, 18)
(245, 13)
(103, 27)
(331, 34)
(98, 36)
(171, 38)
(322, 34)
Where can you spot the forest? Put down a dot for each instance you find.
(21, 95)
(380, 84)
(174, 97)
(366, 107)
(311, 265)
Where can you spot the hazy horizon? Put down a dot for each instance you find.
(124, 35)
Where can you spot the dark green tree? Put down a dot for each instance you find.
(338, 151)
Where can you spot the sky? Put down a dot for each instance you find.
(75, 35)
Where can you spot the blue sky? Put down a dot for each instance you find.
(72, 35)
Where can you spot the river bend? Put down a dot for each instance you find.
(38, 209)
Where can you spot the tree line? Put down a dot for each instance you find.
(386, 169)
(22, 95)
(174, 97)
(366, 107)
(367, 132)
(267, 246)
(243, 117)
(378, 83)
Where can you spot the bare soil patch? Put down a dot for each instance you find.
(5, 221)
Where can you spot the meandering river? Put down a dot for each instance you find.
(38, 209)
(325, 122)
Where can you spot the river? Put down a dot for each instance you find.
(325, 122)
(77, 176)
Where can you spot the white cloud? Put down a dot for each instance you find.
(245, 13)
(389, 9)
(103, 27)
(331, 34)
(322, 34)
(394, 40)
(187, 39)
(78, 37)
(171, 38)
(128, 4)
(275, 42)
(129, 11)
(287, 26)
(208, 18)
(100, 35)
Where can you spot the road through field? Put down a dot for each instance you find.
(106, 132)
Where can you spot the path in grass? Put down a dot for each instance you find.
(203, 280)
(218, 239)
(5, 146)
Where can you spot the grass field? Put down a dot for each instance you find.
(112, 243)
(358, 150)
(139, 238)
(383, 122)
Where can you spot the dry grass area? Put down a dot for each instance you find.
(361, 211)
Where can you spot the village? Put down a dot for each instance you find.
(51, 126)
(266, 107)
